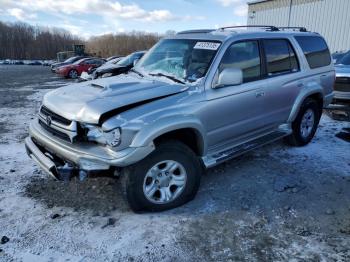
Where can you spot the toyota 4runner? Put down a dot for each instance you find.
(193, 101)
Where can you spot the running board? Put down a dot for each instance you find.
(220, 157)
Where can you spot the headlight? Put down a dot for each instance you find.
(113, 138)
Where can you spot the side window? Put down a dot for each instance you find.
(244, 56)
(315, 50)
(280, 57)
(98, 62)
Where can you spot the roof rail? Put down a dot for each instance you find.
(294, 28)
(267, 27)
(196, 31)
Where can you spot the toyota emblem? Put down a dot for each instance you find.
(48, 120)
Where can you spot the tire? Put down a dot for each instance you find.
(138, 179)
(304, 128)
(73, 74)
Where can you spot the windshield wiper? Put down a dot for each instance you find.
(170, 77)
(137, 72)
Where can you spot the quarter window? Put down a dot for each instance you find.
(315, 50)
(280, 57)
(244, 56)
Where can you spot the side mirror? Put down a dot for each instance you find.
(135, 62)
(229, 77)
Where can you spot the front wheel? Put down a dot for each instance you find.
(305, 125)
(167, 178)
(73, 74)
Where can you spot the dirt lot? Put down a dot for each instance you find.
(274, 204)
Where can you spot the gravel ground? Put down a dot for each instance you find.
(274, 204)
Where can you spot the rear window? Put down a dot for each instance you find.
(315, 50)
(280, 57)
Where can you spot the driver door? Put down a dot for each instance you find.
(235, 112)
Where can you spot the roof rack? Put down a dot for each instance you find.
(196, 31)
(294, 28)
(267, 27)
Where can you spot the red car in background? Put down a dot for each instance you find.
(83, 65)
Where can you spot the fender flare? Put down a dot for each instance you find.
(305, 93)
(150, 132)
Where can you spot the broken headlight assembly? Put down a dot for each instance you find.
(114, 137)
(111, 138)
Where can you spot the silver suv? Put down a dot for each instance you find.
(192, 102)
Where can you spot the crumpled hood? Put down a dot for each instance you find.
(87, 101)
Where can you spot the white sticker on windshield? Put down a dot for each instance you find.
(207, 45)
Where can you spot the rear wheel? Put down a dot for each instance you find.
(167, 178)
(73, 74)
(305, 125)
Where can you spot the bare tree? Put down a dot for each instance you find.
(121, 43)
(23, 41)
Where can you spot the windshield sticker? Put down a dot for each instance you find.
(207, 45)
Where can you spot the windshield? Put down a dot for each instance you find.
(183, 59)
(345, 60)
(79, 61)
(71, 60)
(127, 61)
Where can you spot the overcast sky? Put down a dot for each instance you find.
(96, 17)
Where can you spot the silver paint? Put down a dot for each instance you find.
(220, 117)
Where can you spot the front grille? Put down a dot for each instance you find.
(54, 131)
(55, 117)
(342, 84)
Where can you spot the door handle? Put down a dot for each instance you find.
(259, 94)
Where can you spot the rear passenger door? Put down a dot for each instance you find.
(283, 73)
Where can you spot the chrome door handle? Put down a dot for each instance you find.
(259, 94)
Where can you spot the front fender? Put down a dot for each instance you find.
(162, 126)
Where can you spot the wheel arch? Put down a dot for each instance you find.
(315, 94)
(189, 136)
(187, 130)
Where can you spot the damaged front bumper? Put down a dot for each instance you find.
(44, 148)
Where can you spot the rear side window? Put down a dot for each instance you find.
(315, 50)
(280, 57)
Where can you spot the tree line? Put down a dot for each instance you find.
(121, 43)
(24, 41)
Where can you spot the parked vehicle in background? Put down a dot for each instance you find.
(34, 62)
(83, 65)
(89, 75)
(337, 56)
(340, 107)
(120, 67)
(194, 100)
(113, 57)
(48, 62)
(69, 61)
